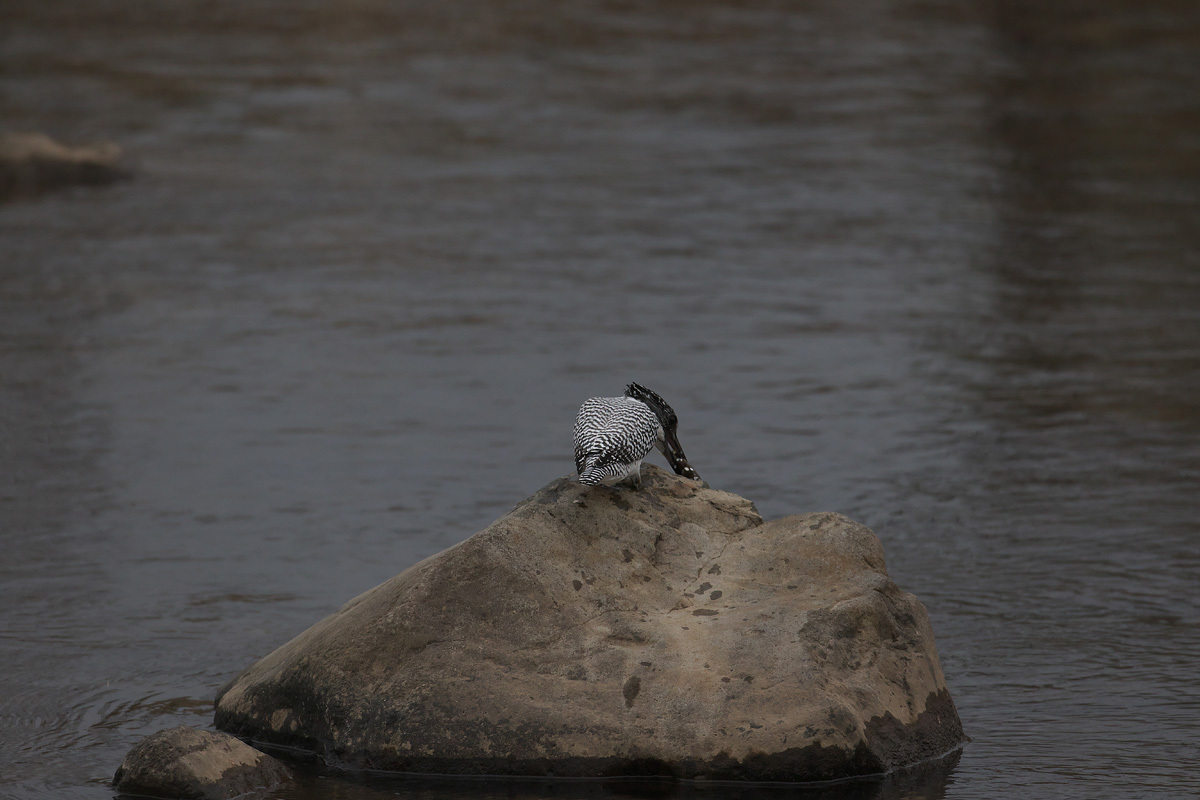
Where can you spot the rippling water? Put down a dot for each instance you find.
(933, 266)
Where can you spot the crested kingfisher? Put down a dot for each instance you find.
(614, 434)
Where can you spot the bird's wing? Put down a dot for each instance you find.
(618, 428)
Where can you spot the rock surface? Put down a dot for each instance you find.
(31, 163)
(197, 765)
(596, 631)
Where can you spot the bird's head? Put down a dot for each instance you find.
(670, 423)
(664, 412)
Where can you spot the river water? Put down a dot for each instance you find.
(934, 265)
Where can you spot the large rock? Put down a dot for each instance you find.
(192, 764)
(596, 631)
(32, 163)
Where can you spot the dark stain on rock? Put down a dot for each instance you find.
(813, 762)
(628, 556)
(705, 612)
(624, 633)
(646, 663)
(704, 587)
(654, 501)
(937, 729)
(715, 569)
(619, 501)
(632, 687)
(578, 584)
(715, 596)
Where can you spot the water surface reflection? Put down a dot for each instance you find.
(930, 265)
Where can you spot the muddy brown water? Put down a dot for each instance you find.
(933, 266)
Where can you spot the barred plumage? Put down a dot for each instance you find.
(614, 434)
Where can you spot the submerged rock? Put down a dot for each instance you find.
(193, 764)
(596, 631)
(32, 163)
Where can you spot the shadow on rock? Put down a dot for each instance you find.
(925, 781)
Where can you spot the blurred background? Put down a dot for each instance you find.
(932, 264)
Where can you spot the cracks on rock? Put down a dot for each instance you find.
(754, 517)
(686, 597)
(708, 564)
(558, 637)
(422, 646)
(654, 559)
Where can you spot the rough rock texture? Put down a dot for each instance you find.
(31, 163)
(596, 631)
(198, 765)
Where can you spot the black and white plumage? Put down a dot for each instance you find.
(614, 434)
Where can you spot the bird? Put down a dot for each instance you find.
(614, 434)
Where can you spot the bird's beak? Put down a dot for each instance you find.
(675, 457)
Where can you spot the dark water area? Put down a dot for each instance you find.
(933, 265)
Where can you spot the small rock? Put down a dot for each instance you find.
(192, 764)
(32, 163)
